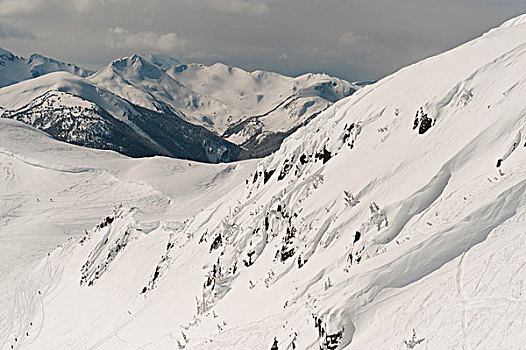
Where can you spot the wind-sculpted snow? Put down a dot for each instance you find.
(51, 190)
(361, 232)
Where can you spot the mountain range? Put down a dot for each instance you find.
(154, 105)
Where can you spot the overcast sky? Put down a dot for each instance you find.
(352, 39)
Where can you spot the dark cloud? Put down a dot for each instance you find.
(11, 32)
(353, 39)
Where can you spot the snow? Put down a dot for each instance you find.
(276, 104)
(259, 92)
(163, 61)
(52, 190)
(40, 65)
(360, 232)
(24, 93)
(220, 96)
(18, 95)
(14, 69)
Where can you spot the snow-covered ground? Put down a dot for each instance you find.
(52, 190)
(220, 96)
(394, 220)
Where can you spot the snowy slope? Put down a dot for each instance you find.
(138, 80)
(394, 220)
(72, 119)
(14, 69)
(51, 190)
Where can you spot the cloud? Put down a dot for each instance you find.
(248, 7)
(122, 38)
(351, 38)
(285, 56)
(204, 55)
(83, 6)
(17, 7)
(7, 31)
(24, 7)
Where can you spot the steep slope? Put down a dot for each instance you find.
(255, 110)
(14, 69)
(393, 220)
(74, 110)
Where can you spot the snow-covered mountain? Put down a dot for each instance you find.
(72, 109)
(393, 220)
(263, 103)
(255, 110)
(14, 69)
(235, 114)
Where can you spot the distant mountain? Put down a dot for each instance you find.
(255, 110)
(162, 61)
(71, 109)
(40, 65)
(14, 69)
(363, 83)
(236, 114)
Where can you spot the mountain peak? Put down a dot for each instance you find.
(125, 61)
(162, 61)
(40, 65)
(137, 66)
(35, 56)
(6, 55)
(519, 20)
(14, 69)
